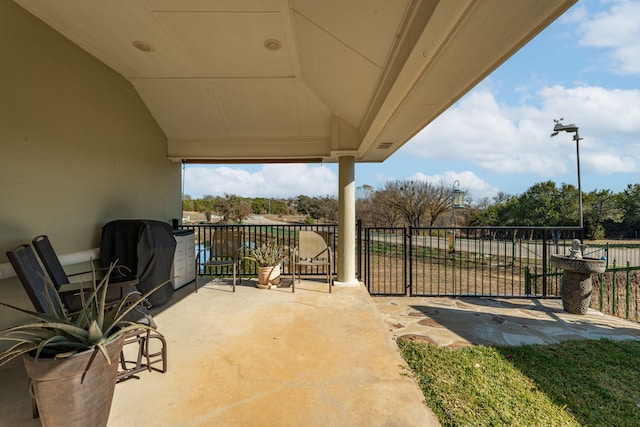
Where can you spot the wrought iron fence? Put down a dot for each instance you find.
(457, 261)
(254, 235)
(385, 259)
(616, 291)
(470, 261)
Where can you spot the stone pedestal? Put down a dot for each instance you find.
(576, 281)
(576, 291)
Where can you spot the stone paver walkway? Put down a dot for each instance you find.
(456, 322)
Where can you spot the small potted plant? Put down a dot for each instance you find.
(72, 360)
(268, 258)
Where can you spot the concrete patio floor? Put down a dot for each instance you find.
(262, 358)
(272, 358)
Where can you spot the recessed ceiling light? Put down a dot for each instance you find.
(272, 44)
(143, 46)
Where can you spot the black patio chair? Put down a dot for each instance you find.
(33, 279)
(119, 285)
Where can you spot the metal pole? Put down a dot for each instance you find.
(456, 184)
(559, 127)
(544, 263)
(577, 138)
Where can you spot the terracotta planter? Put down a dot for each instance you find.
(64, 398)
(269, 277)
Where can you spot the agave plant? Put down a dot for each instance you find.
(268, 254)
(62, 334)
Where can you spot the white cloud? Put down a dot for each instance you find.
(617, 30)
(500, 139)
(271, 180)
(605, 163)
(516, 139)
(576, 14)
(474, 186)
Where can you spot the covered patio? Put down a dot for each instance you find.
(103, 102)
(120, 93)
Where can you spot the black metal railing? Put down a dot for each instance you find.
(458, 261)
(463, 261)
(254, 235)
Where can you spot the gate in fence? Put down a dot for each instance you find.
(463, 261)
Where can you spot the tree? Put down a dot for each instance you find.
(187, 203)
(234, 208)
(309, 206)
(439, 201)
(278, 206)
(329, 209)
(365, 206)
(538, 206)
(408, 203)
(260, 205)
(381, 215)
(568, 206)
(484, 212)
(630, 207)
(410, 199)
(600, 206)
(206, 205)
(509, 210)
(364, 192)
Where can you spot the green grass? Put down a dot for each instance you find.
(575, 383)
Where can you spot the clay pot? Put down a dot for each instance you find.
(64, 397)
(269, 277)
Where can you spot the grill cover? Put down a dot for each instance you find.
(146, 247)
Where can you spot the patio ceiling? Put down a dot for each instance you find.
(297, 80)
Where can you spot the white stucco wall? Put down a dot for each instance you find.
(78, 148)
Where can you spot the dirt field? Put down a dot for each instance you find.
(619, 305)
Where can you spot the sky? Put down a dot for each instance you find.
(584, 68)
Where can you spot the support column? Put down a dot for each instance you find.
(346, 222)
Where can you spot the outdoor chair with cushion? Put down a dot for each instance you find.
(312, 252)
(225, 251)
